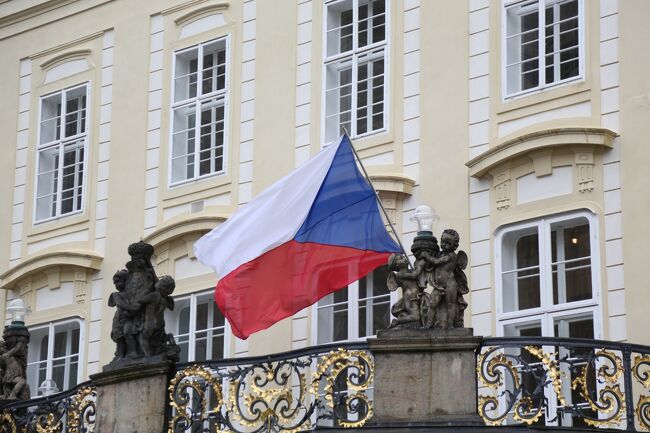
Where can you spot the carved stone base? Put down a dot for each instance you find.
(425, 377)
(132, 399)
(118, 363)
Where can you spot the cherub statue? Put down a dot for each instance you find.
(15, 364)
(407, 310)
(449, 278)
(124, 329)
(155, 303)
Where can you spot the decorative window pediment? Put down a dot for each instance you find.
(66, 64)
(174, 244)
(52, 281)
(43, 263)
(549, 139)
(202, 19)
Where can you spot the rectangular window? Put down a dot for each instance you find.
(547, 286)
(546, 265)
(357, 311)
(355, 62)
(198, 136)
(53, 354)
(198, 327)
(61, 153)
(543, 43)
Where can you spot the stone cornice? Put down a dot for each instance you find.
(397, 183)
(32, 11)
(540, 140)
(79, 258)
(184, 226)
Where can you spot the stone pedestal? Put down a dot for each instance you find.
(132, 399)
(425, 377)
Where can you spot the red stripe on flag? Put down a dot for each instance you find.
(287, 279)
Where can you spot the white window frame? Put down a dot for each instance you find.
(541, 37)
(547, 312)
(353, 55)
(50, 349)
(191, 347)
(60, 143)
(224, 95)
(353, 315)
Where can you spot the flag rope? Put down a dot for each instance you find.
(381, 205)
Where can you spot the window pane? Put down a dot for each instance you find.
(184, 320)
(338, 99)
(201, 317)
(214, 67)
(217, 346)
(571, 256)
(75, 109)
(183, 343)
(522, 46)
(50, 118)
(212, 137)
(370, 92)
(333, 317)
(200, 346)
(374, 302)
(520, 270)
(186, 75)
(339, 27)
(183, 143)
(372, 24)
(47, 183)
(72, 179)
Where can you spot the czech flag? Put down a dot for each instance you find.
(311, 233)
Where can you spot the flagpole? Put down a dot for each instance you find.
(381, 205)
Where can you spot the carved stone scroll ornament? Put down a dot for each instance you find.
(432, 292)
(139, 322)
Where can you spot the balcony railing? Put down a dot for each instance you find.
(559, 382)
(71, 411)
(299, 390)
(564, 382)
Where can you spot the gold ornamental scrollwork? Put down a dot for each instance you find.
(493, 367)
(82, 411)
(552, 369)
(180, 397)
(358, 369)
(611, 400)
(8, 423)
(48, 423)
(642, 376)
(272, 395)
(643, 412)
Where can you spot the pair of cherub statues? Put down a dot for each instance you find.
(141, 299)
(432, 291)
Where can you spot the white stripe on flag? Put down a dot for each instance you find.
(269, 220)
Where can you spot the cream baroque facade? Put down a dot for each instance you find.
(126, 120)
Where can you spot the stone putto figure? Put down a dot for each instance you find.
(141, 299)
(432, 292)
(13, 363)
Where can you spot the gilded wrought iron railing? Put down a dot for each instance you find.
(71, 411)
(564, 382)
(292, 391)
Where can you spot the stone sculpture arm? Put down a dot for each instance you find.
(121, 303)
(19, 345)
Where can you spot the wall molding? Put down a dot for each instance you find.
(594, 138)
